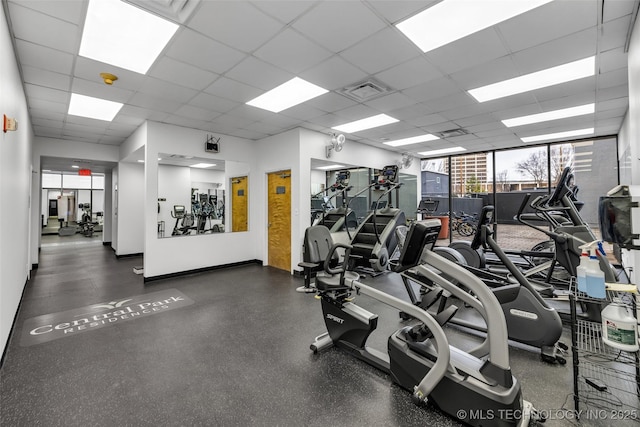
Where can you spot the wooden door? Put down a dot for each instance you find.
(279, 219)
(239, 204)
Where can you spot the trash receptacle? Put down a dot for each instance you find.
(444, 230)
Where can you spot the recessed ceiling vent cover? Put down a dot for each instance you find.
(452, 133)
(364, 91)
(174, 10)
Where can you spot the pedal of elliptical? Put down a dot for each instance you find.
(445, 315)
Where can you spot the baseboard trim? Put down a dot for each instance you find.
(129, 255)
(34, 266)
(13, 325)
(201, 270)
(106, 243)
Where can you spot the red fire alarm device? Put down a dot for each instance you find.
(8, 124)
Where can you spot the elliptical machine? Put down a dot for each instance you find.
(420, 358)
(529, 318)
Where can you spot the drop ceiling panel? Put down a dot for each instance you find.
(292, 51)
(469, 51)
(170, 70)
(388, 103)
(232, 89)
(433, 89)
(284, 11)
(70, 11)
(162, 89)
(153, 103)
(213, 103)
(395, 11)
(237, 24)
(39, 56)
(333, 25)
(42, 29)
(331, 102)
(612, 60)
(100, 90)
(203, 52)
(90, 70)
(255, 72)
(410, 73)
(547, 23)
(46, 94)
(390, 48)
(334, 73)
(195, 113)
(40, 77)
(560, 51)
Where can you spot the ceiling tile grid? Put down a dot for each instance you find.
(229, 52)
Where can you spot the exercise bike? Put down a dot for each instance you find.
(419, 357)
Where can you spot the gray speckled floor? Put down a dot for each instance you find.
(238, 356)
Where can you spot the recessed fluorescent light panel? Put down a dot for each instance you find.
(75, 166)
(293, 92)
(203, 165)
(330, 167)
(413, 140)
(544, 78)
(580, 110)
(119, 34)
(557, 135)
(368, 123)
(442, 151)
(93, 108)
(451, 20)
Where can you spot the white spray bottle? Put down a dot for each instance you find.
(581, 269)
(596, 287)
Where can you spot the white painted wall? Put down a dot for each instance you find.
(630, 135)
(19, 206)
(131, 207)
(107, 226)
(114, 212)
(171, 255)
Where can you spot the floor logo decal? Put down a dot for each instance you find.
(49, 327)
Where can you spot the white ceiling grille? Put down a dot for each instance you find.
(364, 91)
(452, 133)
(174, 10)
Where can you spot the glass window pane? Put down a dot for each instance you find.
(51, 180)
(76, 181)
(435, 194)
(519, 172)
(98, 182)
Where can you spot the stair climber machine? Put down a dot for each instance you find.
(477, 391)
(336, 218)
(530, 320)
(375, 238)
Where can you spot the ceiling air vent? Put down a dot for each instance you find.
(452, 133)
(364, 91)
(174, 10)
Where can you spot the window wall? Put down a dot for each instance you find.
(62, 194)
(504, 178)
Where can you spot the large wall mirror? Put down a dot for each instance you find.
(337, 190)
(193, 196)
